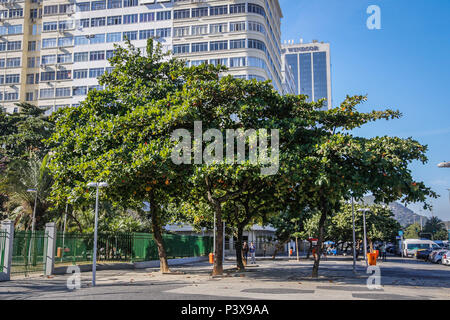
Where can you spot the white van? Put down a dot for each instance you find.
(410, 246)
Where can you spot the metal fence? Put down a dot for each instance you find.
(29, 252)
(126, 247)
(2, 249)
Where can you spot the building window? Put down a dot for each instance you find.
(145, 34)
(63, 92)
(163, 32)
(146, 17)
(98, 22)
(98, 5)
(30, 78)
(237, 26)
(163, 15)
(113, 4)
(182, 14)
(181, 31)
(130, 3)
(199, 30)
(199, 47)
(65, 41)
(237, 44)
(14, 45)
(216, 62)
(64, 58)
(218, 28)
(130, 18)
(80, 73)
(79, 91)
(81, 40)
(218, 45)
(29, 96)
(46, 93)
(63, 75)
(48, 76)
(130, 35)
(114, 20)
(80, 56)
(48, 59)
(218, 10)
(180, 48)
(254, 8)
(13, 62)
(96, 55)
(50, 10)
(96, 72)
(237, 62)
(199, 12)
(83, 6)
(114, 37)
(97, 38)
(12, 78)
(237, 8)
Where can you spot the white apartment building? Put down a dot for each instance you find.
(310, 64)
(52, 51)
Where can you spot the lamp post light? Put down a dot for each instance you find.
(354, 237)
(444, 165)
(33, 223)
(97, 185)
(365, 233)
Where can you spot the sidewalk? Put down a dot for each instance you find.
(279, 279)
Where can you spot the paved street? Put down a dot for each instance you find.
(277, 280)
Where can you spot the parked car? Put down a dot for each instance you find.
(412, 245)
(437, 258)
(423, 254)
(446, 258)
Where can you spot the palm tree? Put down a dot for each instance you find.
(434, 225)
(21, 176)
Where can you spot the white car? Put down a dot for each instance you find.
(446, 258)
(437, 258)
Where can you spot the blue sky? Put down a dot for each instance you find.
(404, 66)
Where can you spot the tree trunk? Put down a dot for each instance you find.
(279, 246)
(239, 254)
(315, 271)
(218, 257)
(164, 266)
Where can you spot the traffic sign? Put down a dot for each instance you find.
(400, 233)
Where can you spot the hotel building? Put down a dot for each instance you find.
(310, 65)
(52, 51)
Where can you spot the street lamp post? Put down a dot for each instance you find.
(365, 233)
(33, 223)
(97, 185)
(354, 237)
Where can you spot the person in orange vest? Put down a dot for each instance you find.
(314, 253)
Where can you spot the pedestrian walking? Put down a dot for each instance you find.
(245, 250)
(383, 252)
(252, 250)
(264, 250)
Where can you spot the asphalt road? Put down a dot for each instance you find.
(401, 279)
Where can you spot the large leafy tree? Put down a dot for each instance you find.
(344, 165)
(122, 135)
(22, 137)
(20, 176)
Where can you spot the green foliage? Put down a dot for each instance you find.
(412, 231)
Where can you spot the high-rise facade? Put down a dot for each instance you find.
(310, 64)
(52, 51)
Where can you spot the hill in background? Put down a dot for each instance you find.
(402, 214)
